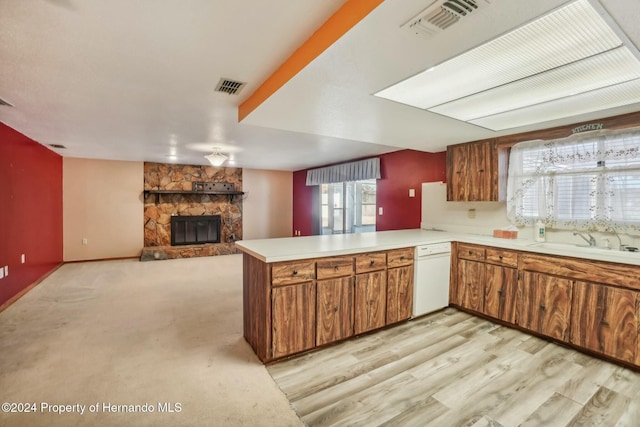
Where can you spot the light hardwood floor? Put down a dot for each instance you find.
(454, 369)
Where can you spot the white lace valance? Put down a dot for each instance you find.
(586, 181)
(346, 172)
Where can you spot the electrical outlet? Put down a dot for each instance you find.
(6, 270)
(23, 259)
(1, 273)
(471, 213)
(380, 210)
(412, 192)
(85, 241)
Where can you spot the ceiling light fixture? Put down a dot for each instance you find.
(538, 72)
(216, 158)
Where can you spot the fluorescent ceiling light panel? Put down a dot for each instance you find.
(570, 50)
(599, 99)
(612, 67)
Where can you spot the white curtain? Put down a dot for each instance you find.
(346, 172)
(587, 181)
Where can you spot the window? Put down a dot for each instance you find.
(348, 207)
(586, 181)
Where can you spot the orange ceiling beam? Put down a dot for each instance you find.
(349, 14)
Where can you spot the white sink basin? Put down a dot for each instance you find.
(569, 249)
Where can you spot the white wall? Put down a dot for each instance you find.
(102, 202)
(268, 208)
(454, 216)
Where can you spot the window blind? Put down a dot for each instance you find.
(588, 181)
(346, 172)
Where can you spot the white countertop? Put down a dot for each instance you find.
(294, 248)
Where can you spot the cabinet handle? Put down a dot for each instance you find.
(336, 268)
(371, 262)
(500, 257)
(481, 170)
(500, 292)
(402, 258)
(543, 307)
(295, 272)
(604, 322)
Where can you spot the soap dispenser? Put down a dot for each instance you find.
(539, 231)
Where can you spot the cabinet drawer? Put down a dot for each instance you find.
(371, 262)
(334, 267)
(472, 252)
(502, 257)
(592, 271)
(399, 257)
(285, 273)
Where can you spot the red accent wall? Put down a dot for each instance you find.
(30, 211)
(302, 204)
(400, 171)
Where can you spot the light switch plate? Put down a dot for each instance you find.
(6, 270)
(380, 210)
(1, 273)
(412, 192)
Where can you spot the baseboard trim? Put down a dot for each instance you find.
(20, 294)
(102, 259)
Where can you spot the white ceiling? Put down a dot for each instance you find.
(134, 80)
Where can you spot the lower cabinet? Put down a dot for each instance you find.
(370, 301)
(546, 304)
(334, 313)
(293, 306)
(500, 293)
(399, 294)
(471, 283)
(605, 319)
(293, 314)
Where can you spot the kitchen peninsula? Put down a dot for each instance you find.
(300, 293)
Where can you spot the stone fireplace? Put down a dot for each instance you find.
(173, 208)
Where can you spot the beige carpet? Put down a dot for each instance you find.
(167, 334)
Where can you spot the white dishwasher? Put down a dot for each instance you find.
(431, 281)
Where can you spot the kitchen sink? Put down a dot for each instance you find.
(580, 248)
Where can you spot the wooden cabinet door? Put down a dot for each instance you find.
(370, 301)
(500, 292)
(293, 318)
(457, 170)
(546, 304)
(604, 319)
(334, 315)
(472, 172)
(479, 176)
(471, 277)
(399, 294)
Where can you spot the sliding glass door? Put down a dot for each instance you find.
(348, 207)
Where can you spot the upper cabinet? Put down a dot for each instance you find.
(476, 171)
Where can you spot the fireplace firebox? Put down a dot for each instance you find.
(194, 230)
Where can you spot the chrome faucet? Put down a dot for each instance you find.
(621, 246)
(591, 240)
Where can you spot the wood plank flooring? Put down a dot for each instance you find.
(454, 369)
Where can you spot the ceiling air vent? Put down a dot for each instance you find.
(57, 146)
(3, 102)
(229, 86)
(441, 14)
